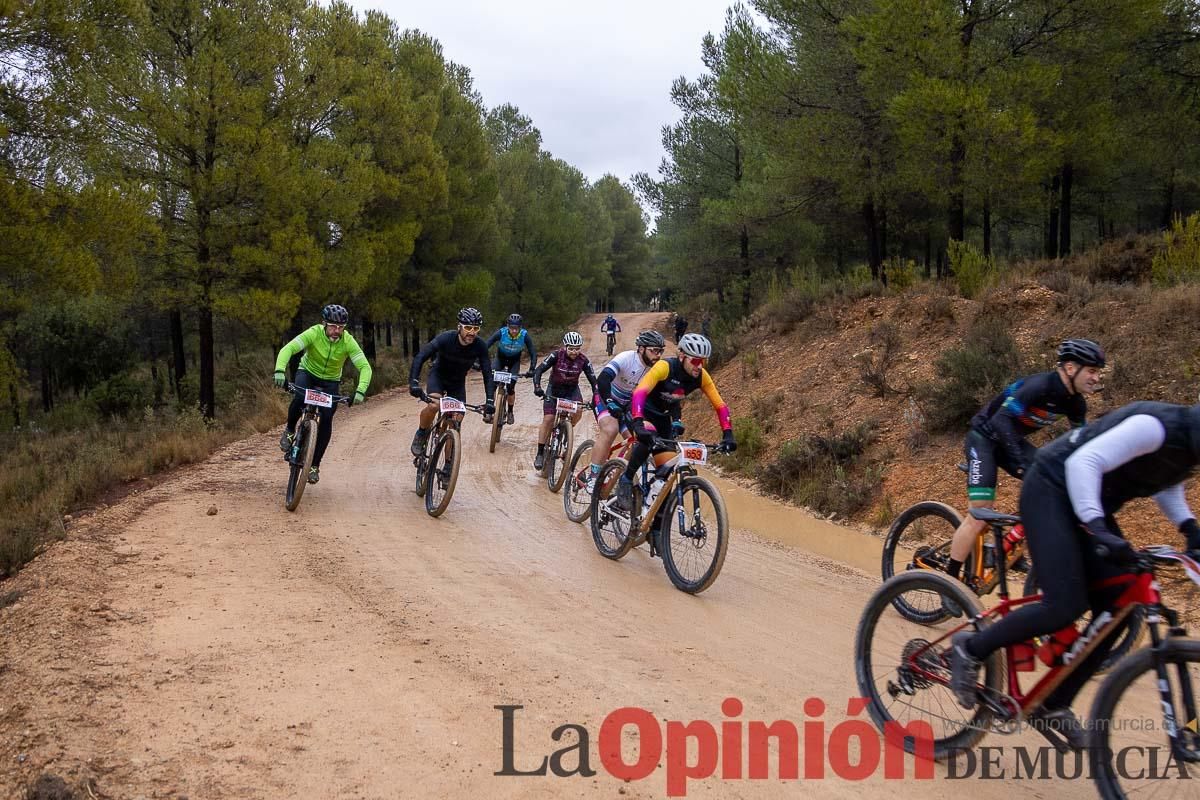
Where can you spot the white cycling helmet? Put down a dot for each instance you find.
(572, 339)
(695, 345)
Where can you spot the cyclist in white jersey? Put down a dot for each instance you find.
(614, 392)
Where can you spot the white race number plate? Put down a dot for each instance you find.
(315, 398)
(693, 453)
(452, 405)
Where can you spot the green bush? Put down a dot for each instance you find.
(971, 269)
(1179, 259)
(970, 375)
(901, 273)
(824, 472)
(121, 396)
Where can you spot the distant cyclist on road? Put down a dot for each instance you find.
(681, 326)
(326, 347)
(610, 328)
(512, 339)
(998, 431)
(657, 406)
(565, 365)
(456, 352)
(614, 393)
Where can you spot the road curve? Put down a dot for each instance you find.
(358, 648)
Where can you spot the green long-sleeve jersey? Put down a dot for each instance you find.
(324, 358)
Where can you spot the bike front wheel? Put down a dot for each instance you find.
(902, 667)
(557, 454)
(694, 536)
(1132, 753)
(577, 502)
(306, 446)
(442, 474)
(498, 419)
(611, 528)
(920, 539)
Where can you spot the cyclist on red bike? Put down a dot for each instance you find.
(1070, 494)
(565, 365)
(657, 406)
(326, 347)
(614, 393)
(998, 432)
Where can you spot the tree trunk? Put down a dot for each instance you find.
(178, 357)
(928, 250)
(388, 334)
(16, 405)
(47, 388)
(1052, 224)
(871, 225)
(368, 343)
(1168, 212)
(208, 385)
(987, 224)
(957, 217)
(1064, 213)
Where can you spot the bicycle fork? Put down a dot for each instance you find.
(1185, 741)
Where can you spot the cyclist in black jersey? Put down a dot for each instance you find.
(457, 351)
(1076, 485)
(998, 431)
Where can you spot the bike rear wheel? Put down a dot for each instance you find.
(557, 454)
(443, 473)
(1130, 758)
(576, 500)
(902, 668)
(694, 552)
(610, 531)
(306, 446)
(920, 539)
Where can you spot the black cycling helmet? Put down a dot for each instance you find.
(514, 320)
(335, 314)
(470, 316)
(1084, 352)
(650, 339)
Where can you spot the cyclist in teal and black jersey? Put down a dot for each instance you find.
(512, 339)
(326, 348)
(998, 431)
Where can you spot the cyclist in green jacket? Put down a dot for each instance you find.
(326, 348)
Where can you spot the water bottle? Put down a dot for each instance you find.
(989, 555)
(1015, 535)
(652, 494)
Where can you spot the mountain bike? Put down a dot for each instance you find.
(611, 342)
(437, 467)
(304, 442)
(577, 500)
(903, 670)
(691, 542)
(558, 446)
(920, 539)
(502, 380)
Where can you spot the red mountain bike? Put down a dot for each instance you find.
(1144, 721)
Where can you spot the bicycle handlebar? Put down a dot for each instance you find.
(424, 398)
(292, 388)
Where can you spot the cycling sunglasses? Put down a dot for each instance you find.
(571, 349)
(695, 361)
(470, 328)
(657, 351)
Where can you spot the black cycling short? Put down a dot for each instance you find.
(441, 386)
(984, 455)
(509, 364)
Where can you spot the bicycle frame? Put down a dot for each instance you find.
(681, 467)
(1141, 589)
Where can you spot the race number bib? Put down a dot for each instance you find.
(569, 406)
(693, 453)
(502, 377)
(452, 405)
(314, 398)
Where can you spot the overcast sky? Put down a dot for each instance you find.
(595, 78)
